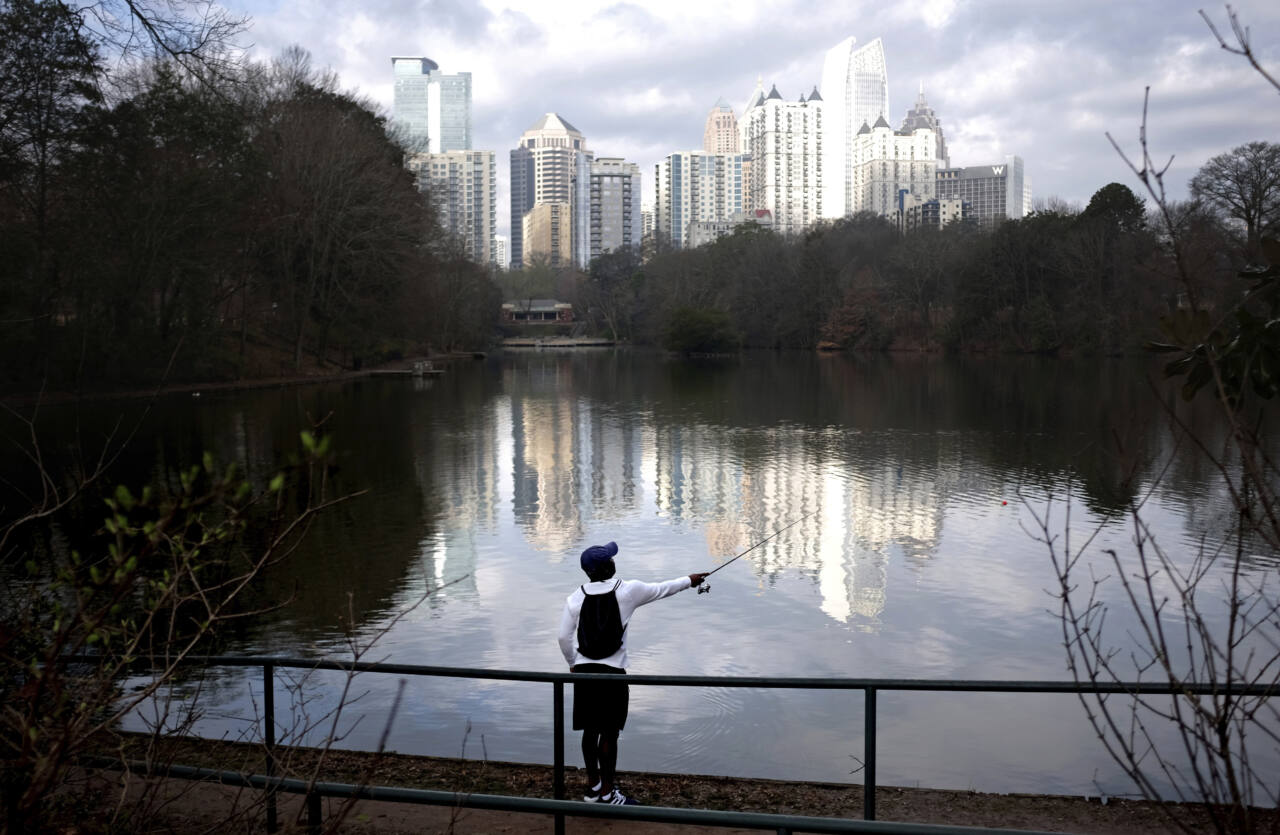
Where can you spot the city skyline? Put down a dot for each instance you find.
(1044, 83)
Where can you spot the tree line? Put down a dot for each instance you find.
(1091, 281)
(206, 219)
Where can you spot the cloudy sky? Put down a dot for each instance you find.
(1044, 80)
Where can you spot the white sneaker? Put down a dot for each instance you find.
(617, 798)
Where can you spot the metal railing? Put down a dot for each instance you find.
(870, 687)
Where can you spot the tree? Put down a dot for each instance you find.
(609, 289)
(49, 73)
(343, 220)
(695, 331)
(1118, 207)
(1203, 616)
(164, 573)
(1244, 184)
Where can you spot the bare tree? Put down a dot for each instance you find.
(1244, 184)
(1209, 617)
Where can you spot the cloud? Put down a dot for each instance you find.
(1045, 81)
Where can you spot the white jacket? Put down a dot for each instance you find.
(632, 594)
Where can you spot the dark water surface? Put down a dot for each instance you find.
(493, 477)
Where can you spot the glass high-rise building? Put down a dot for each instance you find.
(432, 108)
(855, 92)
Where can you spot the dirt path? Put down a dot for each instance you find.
(192, 807)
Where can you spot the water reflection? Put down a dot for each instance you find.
(911, 557)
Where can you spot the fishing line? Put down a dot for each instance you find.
(705, 588)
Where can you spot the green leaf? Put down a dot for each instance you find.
(124, 497)
(277, 483)
(308, 441)
(208, 462)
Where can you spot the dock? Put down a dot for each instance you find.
(558, 342)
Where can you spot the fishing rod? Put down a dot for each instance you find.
(705, 588)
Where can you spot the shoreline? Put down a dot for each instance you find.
(1056, 813)
(402, 367)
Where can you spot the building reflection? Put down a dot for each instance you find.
(570, 460)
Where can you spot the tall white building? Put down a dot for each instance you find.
(884, 165)
(463, 187)
(784, 140)
(695, 186)
(432, 108)
(552, 158)
(855, 89)
(615, 220)
(500, 251)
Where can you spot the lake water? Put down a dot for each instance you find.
(917, 478)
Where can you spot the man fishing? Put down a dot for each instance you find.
(593, 638)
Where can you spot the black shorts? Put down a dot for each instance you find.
(600, 705)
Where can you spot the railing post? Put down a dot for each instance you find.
(269, 735)
(313, 813)
(559, 752)
(869, 758)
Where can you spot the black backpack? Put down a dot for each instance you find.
(600, 624)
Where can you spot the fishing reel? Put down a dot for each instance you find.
(705, 588)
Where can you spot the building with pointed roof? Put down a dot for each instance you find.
(720, 136)
(886, 166)
(551, 165)
(855, 90)
(922, 116)
(784, 142)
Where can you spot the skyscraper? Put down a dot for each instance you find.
(500, 251)
(615, 206)
(463, 187)
(545, 166)
(695, 186)
(433, 109)
(547, 234)
(784, 139)
(720, 136)
(922, 116)
(996, 192)
(855, 89)
(885, 164)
